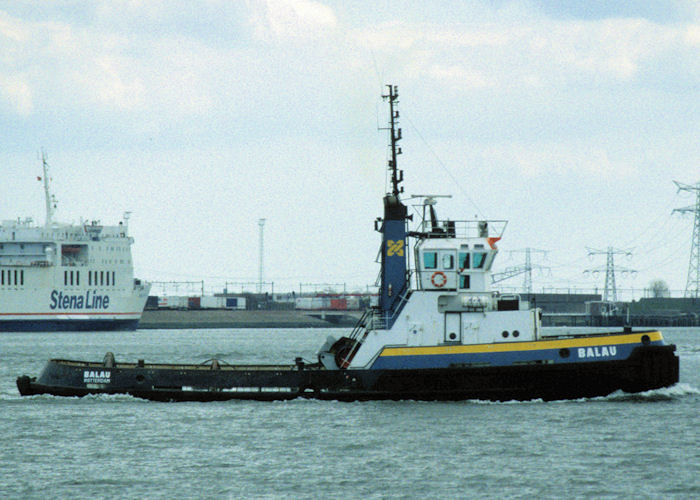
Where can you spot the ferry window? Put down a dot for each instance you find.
(89, 278)
(479, 260)
(464, 281)
(21, 277)
(65, 278)
(16, 277)
(77, 278)
(107, 273)
(448, 261)
(2, 279)
(464, 260)
(71, 277)
(112, 278)
(430, 260)
(102, 277)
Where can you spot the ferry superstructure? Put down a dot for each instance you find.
(67, 276)
(438, 333)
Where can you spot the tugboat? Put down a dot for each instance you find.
(437, 333)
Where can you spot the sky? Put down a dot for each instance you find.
(569, 119)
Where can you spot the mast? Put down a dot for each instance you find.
(395, 137)
(49, 198)
(394, 280)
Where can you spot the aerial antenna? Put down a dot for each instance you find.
(394, 137)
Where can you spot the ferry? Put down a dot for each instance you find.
(67, 277)
(438, 332)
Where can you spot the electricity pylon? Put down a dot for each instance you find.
(692, 285)
(525, 269)
(610, 293)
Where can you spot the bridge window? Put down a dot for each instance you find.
(464, 281)
(430, 260)
(464, 260)
(479, 259)
(448, 261)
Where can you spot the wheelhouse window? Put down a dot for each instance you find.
(464, 281)
(464, 260)
(430, 260)
(448, 261)
(479, 259)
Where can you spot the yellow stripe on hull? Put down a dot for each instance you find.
(627, 338)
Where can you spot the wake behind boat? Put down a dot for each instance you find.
(67, 276)
(437, 333)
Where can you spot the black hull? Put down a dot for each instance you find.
(649, 367)
(65, 325)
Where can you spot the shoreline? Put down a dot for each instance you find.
(221, 318)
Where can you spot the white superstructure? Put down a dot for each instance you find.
(67, 276)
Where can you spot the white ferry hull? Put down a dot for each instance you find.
(70, 310)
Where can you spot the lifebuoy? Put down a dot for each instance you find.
(441, 282)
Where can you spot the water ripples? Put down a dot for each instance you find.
(117, 446)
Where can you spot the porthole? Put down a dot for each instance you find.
(453, 336)
(645, 339)
(140, 378)
(564, 353)
(516, 333)
(505, 334)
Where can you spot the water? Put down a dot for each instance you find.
(641, 446)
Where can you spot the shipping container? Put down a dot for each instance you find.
(339, 304)
(303, 302)
(210, 302)
(194, 302)
(172, 302)
(235, 303)
(353, 302)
